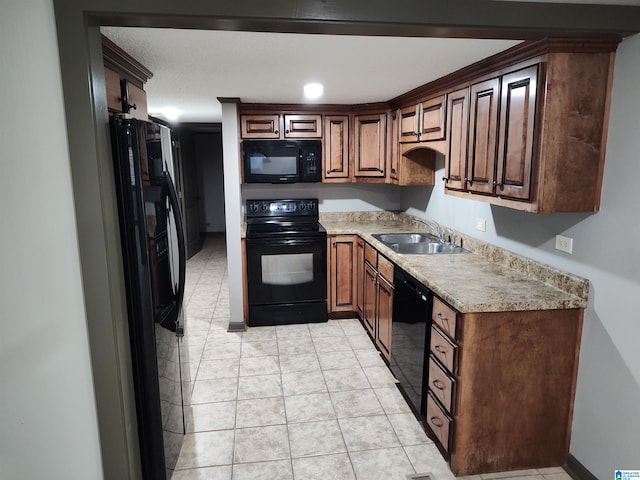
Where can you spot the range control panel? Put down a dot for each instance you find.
(306, 207)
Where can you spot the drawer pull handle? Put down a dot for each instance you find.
(439, 384)
(437, 422)
(440, 349)
(442, 317)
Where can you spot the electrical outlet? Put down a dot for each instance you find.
(481, 224)
(564, 244)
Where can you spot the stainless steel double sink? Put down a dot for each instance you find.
(416, 243)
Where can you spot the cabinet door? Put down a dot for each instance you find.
(409, 124)
(260, 126)
(370, 145)
(336, 147)
(432, 119)
(114, 94)
(483, 130)
(302, 126)
(517, 121)
(342, 286)
(359, 276)
(384, 313)
(394, 146)
(137, 101)
(369, 299)
(457, 124)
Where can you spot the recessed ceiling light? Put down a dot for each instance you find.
(313, 90)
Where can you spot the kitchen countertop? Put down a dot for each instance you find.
(488, 279)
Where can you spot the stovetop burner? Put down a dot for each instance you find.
(281, 218)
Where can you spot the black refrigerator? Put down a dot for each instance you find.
(153, 251)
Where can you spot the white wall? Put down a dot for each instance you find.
(48, 426)
(606, 426)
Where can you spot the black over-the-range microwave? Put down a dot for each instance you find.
(282, 161)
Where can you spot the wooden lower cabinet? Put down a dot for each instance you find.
(341, 286)
(359, 275)
(384, 313)
(378, 298)
(501, 387)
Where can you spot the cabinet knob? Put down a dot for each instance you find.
(440, 349)
(393, 170)
(438, 384)
(286, 131)
(496, 184)
(276, 132)
(445, 179)
(436, 421)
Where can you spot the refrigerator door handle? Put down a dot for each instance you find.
(182, 260)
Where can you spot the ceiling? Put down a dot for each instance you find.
(192, 68)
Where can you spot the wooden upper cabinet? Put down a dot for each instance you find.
(483, 131)
(302, 126)
(409, 124)
(370, 145)
(424, 122)
(457, 125)
(517, 124)
(394, 145)
(335, 149)
(432, 119)
(137, 101)
(124, 81)
(260, 126)
(136, 96)
(114, 94)
(275, 126)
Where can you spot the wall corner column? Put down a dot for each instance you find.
(233, 210)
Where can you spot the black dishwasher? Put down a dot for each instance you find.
(412, 304)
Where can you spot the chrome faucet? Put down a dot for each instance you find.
(435, 227)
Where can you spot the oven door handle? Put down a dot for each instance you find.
(278, 242)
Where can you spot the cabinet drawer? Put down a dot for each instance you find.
(440, 384)
(438, 421)
(443, 349)
(385, 268)
(445, 317)
(371, 255)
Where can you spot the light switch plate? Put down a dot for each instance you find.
(481, 224)
(564, 244)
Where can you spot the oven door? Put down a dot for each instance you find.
(286, 271)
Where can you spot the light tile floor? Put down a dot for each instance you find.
(294, 402)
